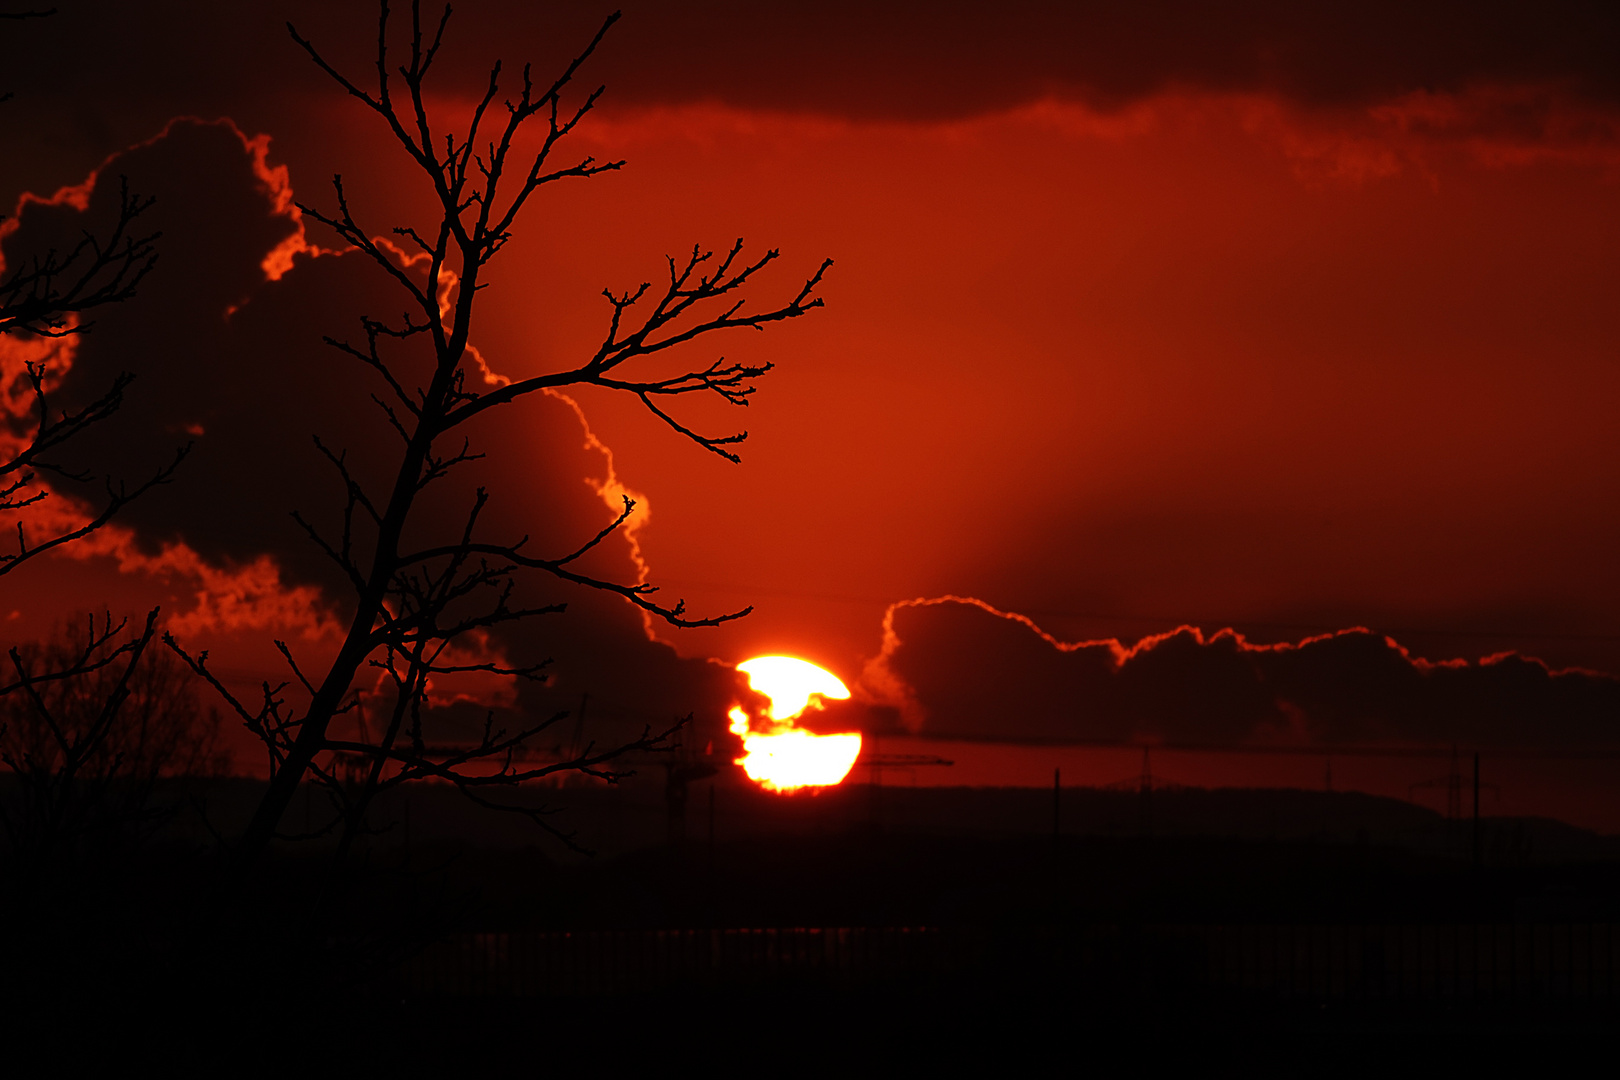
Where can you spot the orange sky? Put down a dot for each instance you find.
(1287, 345)
(1147, 367)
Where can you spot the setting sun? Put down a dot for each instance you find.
(781, 757)
(790, 683)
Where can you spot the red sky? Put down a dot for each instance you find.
(1282, 323)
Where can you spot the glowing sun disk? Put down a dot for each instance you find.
(784, 758)
(790, 683)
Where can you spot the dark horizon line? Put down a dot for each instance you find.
(1461, 750)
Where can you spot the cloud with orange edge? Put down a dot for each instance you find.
(958, 667)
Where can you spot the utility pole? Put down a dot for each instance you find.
(1454, 788)
(877, 784)
(1057, 803)
(1145, 790)
(1476, 809)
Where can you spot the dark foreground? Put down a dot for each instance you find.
(931, 926)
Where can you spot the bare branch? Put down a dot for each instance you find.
(118, 497)
(730, 382)
(44, 294)
(629, 508)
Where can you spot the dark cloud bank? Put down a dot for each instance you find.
(915, 58)
(110, 65)
(976, 675)
(933, 60)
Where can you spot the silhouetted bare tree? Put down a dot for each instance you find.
(411, 604)
(95, 722)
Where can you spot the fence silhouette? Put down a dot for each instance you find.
(1436, 963)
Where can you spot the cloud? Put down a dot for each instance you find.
(116, 70)
(913, 60)
(959, 668)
